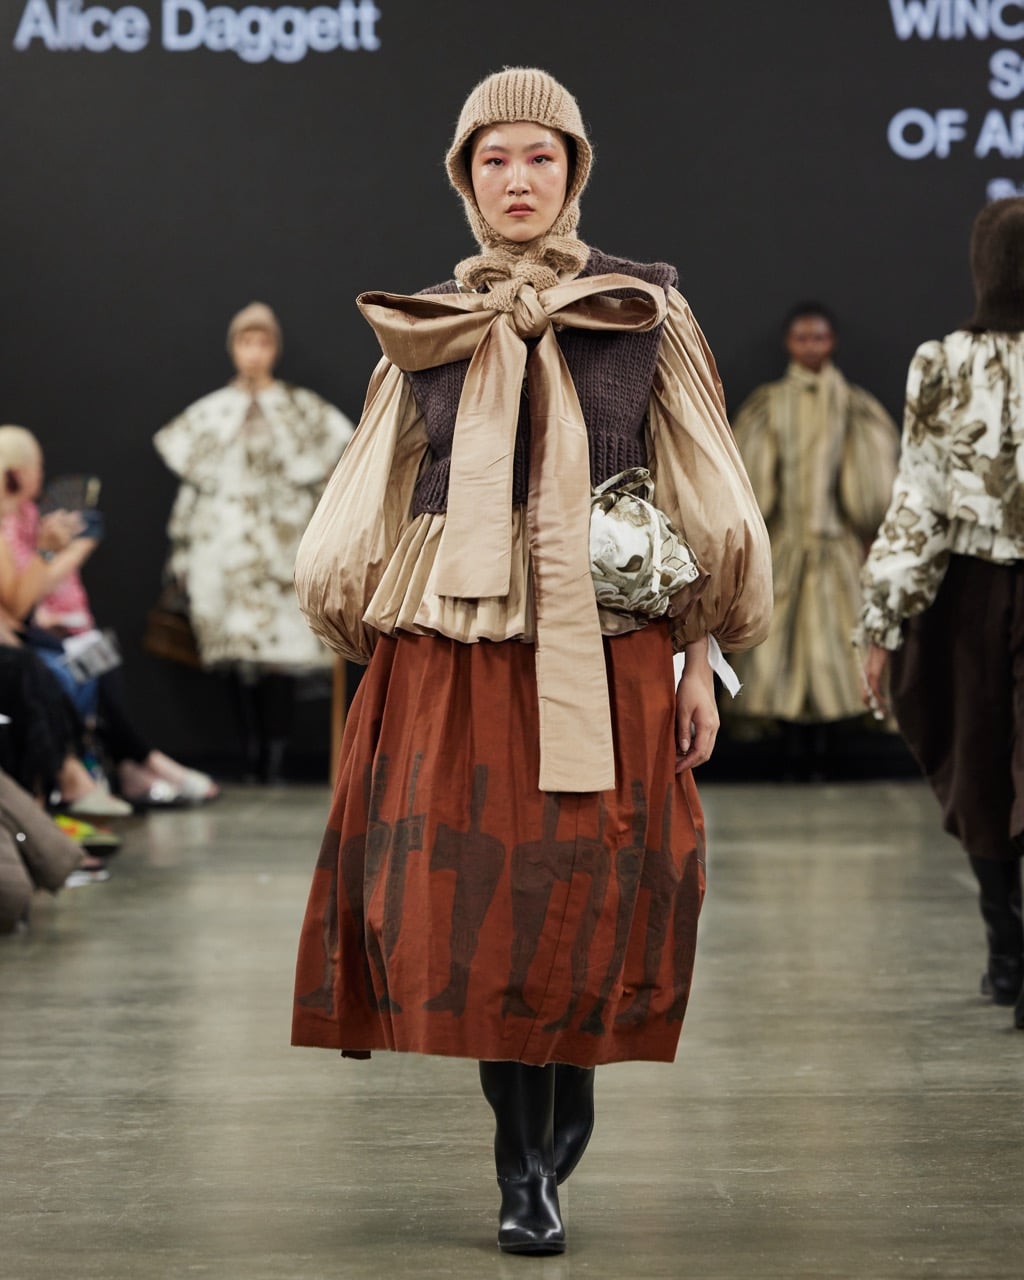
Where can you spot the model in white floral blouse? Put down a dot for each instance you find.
(944, 586)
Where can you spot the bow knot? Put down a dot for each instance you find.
(527, 316)
(474, 554)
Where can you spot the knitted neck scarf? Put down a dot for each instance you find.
(520, 93)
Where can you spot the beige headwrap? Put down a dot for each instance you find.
(520, 93)
(257, 315)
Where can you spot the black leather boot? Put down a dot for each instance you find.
(999, 898)
(574, 1116)
(523, 1101)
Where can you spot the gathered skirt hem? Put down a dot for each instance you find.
(457, 910)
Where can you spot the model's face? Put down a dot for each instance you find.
(810, 341)
(254, 352)
(520, 174)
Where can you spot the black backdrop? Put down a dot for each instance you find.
(148, 195)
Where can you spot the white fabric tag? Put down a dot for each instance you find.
(718, 664)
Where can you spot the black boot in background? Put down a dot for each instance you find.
(523, 1101)
(275, 708)
(999, 898)
(243, 696)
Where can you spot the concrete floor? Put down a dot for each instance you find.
(843, 1104)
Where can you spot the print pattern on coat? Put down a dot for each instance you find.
(252, 469)
(960, 485)
(477, 860)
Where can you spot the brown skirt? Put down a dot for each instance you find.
(958, 696)
(456, 909)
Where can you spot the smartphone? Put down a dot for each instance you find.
(70, 493)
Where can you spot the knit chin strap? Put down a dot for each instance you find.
(504, 268)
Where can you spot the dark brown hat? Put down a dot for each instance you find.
(997, 264)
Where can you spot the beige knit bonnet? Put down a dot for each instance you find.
(257, 315)
(521, 93)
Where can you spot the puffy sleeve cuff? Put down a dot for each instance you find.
(878, 627)
(360, 519)
(702, 486)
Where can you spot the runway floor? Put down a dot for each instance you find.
(843, 1103)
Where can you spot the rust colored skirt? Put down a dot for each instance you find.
(456, 909)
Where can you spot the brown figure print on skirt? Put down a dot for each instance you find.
(592, 860)
(628, 867)
(660, 878)
(684, 931)
(477, 860)
(406, 838)
(361, 876)
(535, 867)
(322, 996)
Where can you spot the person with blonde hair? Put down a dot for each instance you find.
(542, 502)
(46, 591)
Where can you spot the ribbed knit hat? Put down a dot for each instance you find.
(257, 315)
(520, 93)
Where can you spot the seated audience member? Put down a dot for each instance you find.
(38, 731)
(48, 553)
(41, 746)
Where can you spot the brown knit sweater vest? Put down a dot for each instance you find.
(612, 373)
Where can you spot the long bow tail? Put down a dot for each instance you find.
(475, 550)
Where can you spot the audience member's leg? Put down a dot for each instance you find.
(145, 775)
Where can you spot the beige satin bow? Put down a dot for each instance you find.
(475, 552)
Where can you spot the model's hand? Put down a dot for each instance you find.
(697, 717)
(58, 529)
(876, 661)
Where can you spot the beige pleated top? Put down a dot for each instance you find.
(365, 567)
